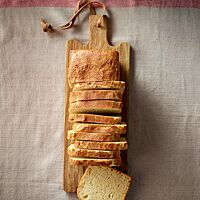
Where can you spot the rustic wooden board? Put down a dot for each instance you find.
(98, 40)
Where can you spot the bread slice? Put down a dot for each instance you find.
(99, 128)
(95, 161)
(96, 95)
(103, 183)
(113, 146)
(93, 65)
(73, 135)
(96, 106)
(100, 85)
(87, 153)
(102, 119)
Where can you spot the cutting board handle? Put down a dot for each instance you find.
(98, 34)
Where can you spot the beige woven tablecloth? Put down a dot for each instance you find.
(164, 121)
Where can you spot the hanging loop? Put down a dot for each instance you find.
(79, 7)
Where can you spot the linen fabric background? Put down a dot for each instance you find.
(164, 114)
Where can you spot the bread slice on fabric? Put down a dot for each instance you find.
(95, 161)
(102, 119)
(113, 146)
(73, 135)
(96, 95)
(88, 153)
(93, 65)
(103, 183)
(100, 85)
(99, 128)
(96, 107)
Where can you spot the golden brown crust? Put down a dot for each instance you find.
(73, 135)
(99, 128)
(87, 153)
(93, 65)
(94, 161)
(79, 117)
(112, 85)
(122, 145)
(96, 95)
(96, 106)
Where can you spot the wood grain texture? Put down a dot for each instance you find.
(97, 40)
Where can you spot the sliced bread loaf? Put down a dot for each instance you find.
(103, 119)
(113, 146)
(73, 135)
(103, 183)
(93, 65)
(106, 85)
(96, 95)
(88, 153)
(99, 128)
(96, 106)
(95, 161)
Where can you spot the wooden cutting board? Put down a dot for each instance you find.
(98, 40)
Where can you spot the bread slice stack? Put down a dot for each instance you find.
(97, 134)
